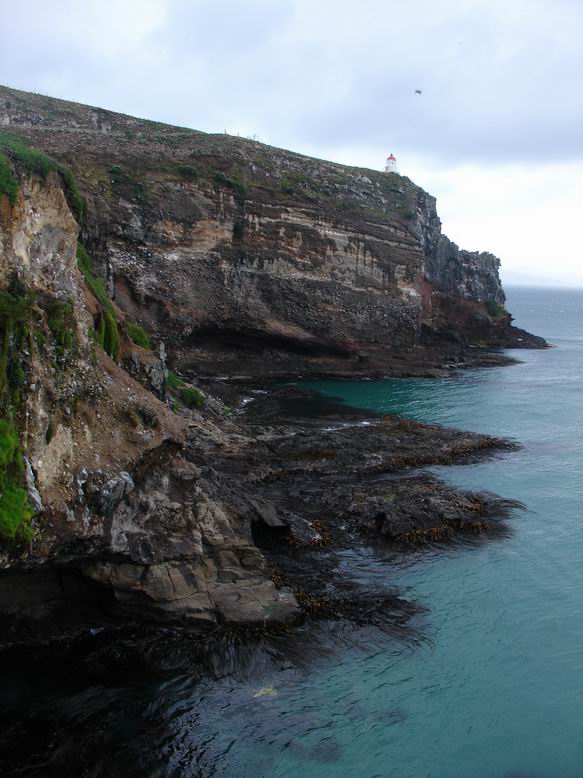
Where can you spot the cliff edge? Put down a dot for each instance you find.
(252, 260)
(126, 244)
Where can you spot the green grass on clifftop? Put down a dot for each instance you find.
(38, 163)
(8, 183)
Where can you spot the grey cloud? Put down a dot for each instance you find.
(498, 80)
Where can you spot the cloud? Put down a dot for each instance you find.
(528, 216)
(497, 79)
(500, 98)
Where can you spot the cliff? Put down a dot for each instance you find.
(253, 260)
(116, 514)
(120, 485)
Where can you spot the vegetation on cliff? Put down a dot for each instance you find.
(8, 182)
(61, 323)
(28, 319)
(107, 332)
(189, 396)
(95, 285)
(108, 335)
(35, 162)
(15, 509)
(15, 311)
(138, 335)
(495, 310)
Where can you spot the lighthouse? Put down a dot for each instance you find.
(391, 164)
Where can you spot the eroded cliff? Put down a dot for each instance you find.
(119, 515)
(238, 260)
(253, 260)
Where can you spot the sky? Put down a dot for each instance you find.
(496, 133)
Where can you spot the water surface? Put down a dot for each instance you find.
(496, 690)
(501, 689)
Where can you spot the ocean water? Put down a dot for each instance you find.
(496, 688)
(500, 690)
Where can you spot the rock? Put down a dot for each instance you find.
(310, 266)
(256, 603)
(265, 691)
(149, 369)
(33, 492)
(113, 492)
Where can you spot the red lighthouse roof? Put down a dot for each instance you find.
(392, 157)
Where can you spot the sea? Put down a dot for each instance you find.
(494, 689)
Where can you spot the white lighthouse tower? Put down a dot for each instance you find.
(391, 164)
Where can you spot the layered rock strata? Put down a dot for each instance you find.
(251, 259)
(237, 259)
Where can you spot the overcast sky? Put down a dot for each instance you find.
(496, 135)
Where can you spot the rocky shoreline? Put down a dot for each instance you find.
(160, 520)
(358, 480)
(324, 489)
(307, 478)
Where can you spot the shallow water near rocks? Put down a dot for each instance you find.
(500, 691)
(496, 690)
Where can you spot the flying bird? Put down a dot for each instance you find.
(418, 92)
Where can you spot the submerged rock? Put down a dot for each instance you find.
(266, 691)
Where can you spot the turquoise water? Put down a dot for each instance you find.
(501, 690)
(498, 689)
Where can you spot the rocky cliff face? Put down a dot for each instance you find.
(253, 260)
(467, 275)
(119, 514)
(243, 260)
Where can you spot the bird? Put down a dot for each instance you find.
(418, 92)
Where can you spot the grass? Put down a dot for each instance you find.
(174, 381)
(15, 509)
(118, 174)
(187, 171)
(15, 312)
(139, 336)
(15, 305)
(62, 326)
(38, 163)
(107, 332)
(238, 187)
(96, 285)
(110, 335)
(495, 310)
(189, 396)
(8, 183)
(295, 182)
(107, 335)
(40, 340)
